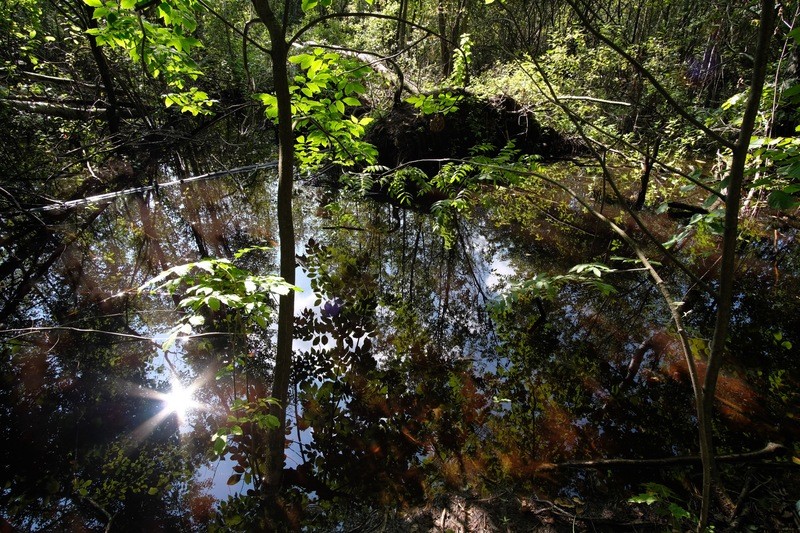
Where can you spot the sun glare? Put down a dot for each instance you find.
(179, 399)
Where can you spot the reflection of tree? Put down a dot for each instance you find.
(402, 374)
(67, 399)
(385, 381)
(72, 407)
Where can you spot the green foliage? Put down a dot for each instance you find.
(666, 502)
(457, 181)
(309, 5)
(547, 287)
(163, 47)
(127, 471)
(324, 95)
(212, 285)
(192, 101)
(705, 227)
(431, 104)
(777, 164)
(462, 58)
(253, 415)
(461, 181)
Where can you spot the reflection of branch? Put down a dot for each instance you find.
(111, 195)
(21, 332)
(468, 260)
(770, 450)
(108, 516)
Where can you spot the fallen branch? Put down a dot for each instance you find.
(156, 186)
(54, 109)
(592, 99)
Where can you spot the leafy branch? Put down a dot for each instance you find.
(212, 285)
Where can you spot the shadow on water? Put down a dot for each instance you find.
(418, 400)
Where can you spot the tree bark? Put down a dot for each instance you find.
(444, 46)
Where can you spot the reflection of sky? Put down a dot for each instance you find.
(496, 269)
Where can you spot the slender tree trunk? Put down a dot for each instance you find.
(283, 357)
(647, 168)
(728, 262)
(400, 35)
(446, 59)
(112, 111)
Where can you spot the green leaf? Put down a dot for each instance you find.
(93, 3)
(791, 91)
(219, 445)
(782, 200)
(170, 339)
(648, 497)
(272, 422)
(234, 479)
(677, 511)
(128, 4)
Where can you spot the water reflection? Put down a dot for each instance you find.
(408, 385)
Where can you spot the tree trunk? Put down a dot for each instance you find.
(444, 46)
(400, 34)
(112, 111)
(647, 168)
(728, 262)
(283, 357)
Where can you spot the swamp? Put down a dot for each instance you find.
(399, 266)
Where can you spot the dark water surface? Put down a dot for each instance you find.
(412, 383)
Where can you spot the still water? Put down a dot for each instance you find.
(416, 380)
